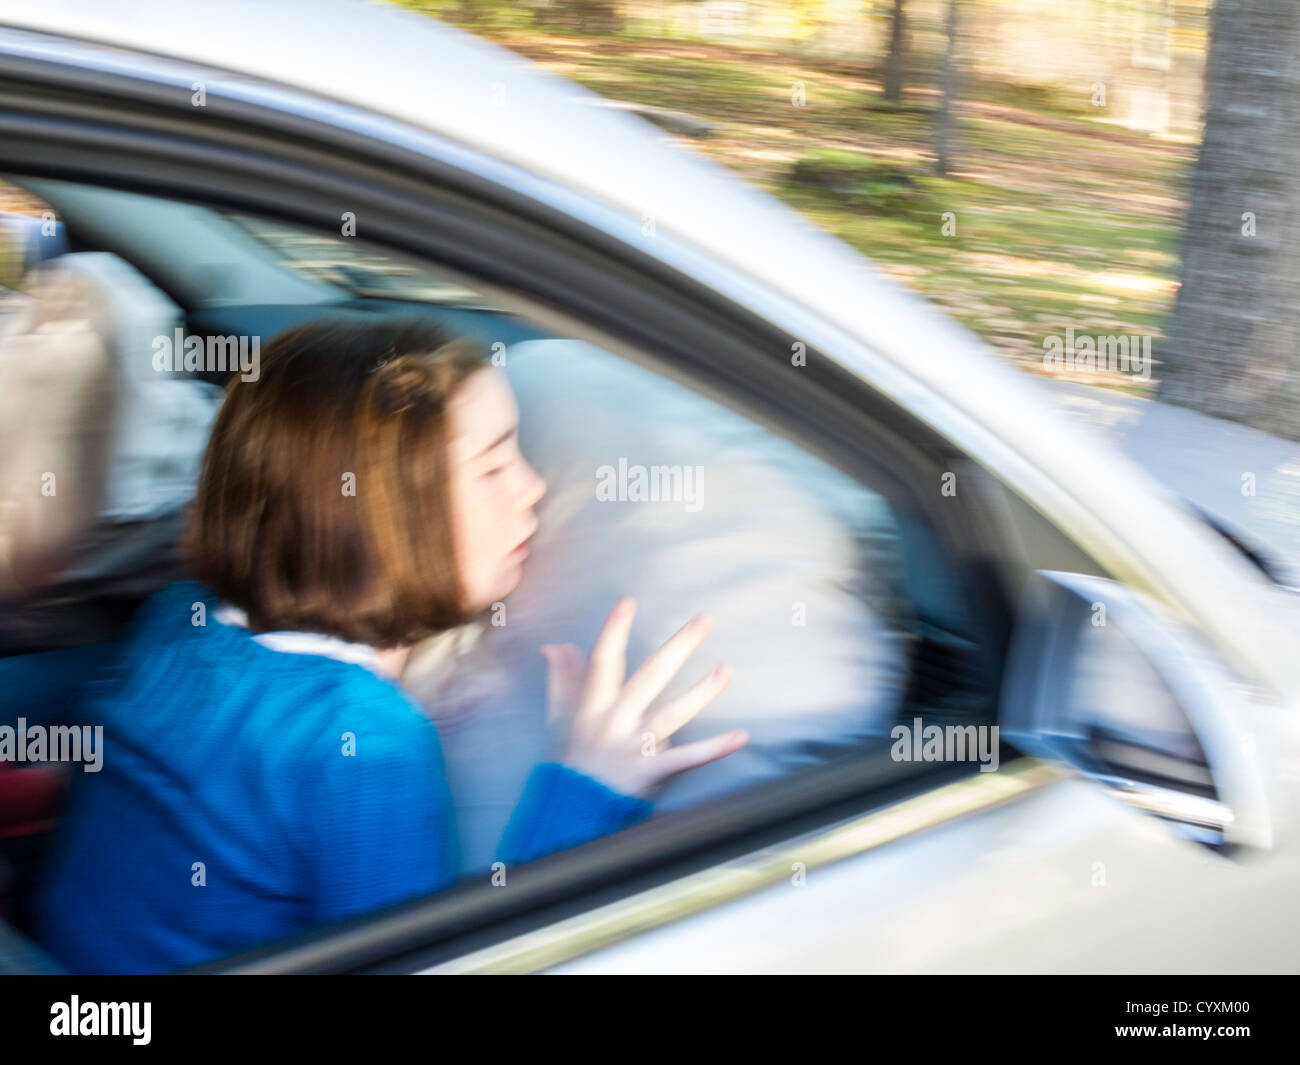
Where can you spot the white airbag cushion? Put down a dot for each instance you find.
(770, 543)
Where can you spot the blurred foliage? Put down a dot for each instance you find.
(874, 186)
(1077, 126)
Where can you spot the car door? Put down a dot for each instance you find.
(1129, 849)
(791, 877)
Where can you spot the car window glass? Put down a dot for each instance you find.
(653, 491)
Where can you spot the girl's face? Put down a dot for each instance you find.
(492, 490)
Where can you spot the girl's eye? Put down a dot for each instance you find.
(496, 471)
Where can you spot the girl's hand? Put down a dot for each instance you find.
(613, 735)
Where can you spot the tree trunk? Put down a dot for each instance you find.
(896, 61)
(1233, 347)
(586, 16)
(943, 124)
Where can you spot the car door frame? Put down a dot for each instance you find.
(74, 113)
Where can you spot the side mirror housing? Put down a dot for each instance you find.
(1105, 680)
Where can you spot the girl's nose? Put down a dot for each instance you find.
(534, 487)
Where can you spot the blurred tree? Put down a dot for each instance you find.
(1233, 347)
(896, 61)
(588, 16)
(943, 124)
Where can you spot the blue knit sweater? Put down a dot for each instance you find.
(247, 794)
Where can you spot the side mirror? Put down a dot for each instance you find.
(1103, 679)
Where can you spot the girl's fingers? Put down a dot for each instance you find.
(659, 669)
(678, 759)
(565, 671)
(670, 717)
(608, 662)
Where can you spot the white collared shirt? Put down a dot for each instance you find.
(306, 643)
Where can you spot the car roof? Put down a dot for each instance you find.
(412, 68)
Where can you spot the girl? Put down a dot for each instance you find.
(262, 771)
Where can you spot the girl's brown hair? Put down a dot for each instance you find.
(323, 500)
